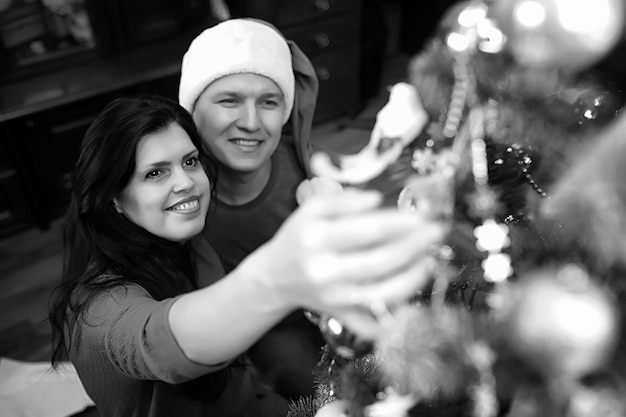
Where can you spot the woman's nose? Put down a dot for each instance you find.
(182, 181)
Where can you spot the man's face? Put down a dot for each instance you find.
(240, 118)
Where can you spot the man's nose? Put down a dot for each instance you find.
(249, 117)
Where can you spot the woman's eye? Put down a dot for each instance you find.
(192, 162)
(154, 174)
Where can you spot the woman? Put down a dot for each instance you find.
(150, 337)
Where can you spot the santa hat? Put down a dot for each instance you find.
(233, 47)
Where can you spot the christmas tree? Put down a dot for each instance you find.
(510, 130)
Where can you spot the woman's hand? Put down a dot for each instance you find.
(342, 255)
(317, 186)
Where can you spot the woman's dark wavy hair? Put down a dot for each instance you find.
(104, 249)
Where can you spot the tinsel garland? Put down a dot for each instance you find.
(532, 111)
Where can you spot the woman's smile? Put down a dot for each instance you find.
(187, 206)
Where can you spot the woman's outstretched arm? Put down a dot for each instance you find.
(336, 254)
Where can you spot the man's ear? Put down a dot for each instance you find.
(116, 204)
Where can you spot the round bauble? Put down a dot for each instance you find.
(333, 409)
(597, 107)
(341, 340)
(592, 401)
(561, 322)
(569, 34)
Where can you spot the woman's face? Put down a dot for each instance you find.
(169, 192)
(240, 118)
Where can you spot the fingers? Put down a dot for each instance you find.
(385, 255)
(398, 288)
(391, 291)
(347, 254)
(378, 228)
(350, 201)
(361, 313)
(360, 322)
(359, 230)
(317, 186)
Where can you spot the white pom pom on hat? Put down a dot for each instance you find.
(233, 47)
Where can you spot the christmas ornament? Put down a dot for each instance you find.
(431, 196)
(397, 124)
(341, 340)
(510, 164)
(466, 25)
(326, 389)
(591, 401)
(483, 392)
(491, 237)
(597, 107)
(568, 34)
(560, 321)
(333, 409)
(390, 404)
(425, 353)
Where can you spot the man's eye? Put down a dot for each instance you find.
(228, 101)
(270, 103)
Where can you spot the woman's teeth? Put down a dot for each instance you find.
(186, 206)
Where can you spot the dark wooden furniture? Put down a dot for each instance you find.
(44, 118)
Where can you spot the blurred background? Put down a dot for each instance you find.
(61, 61)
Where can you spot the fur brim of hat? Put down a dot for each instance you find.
(233, 47)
